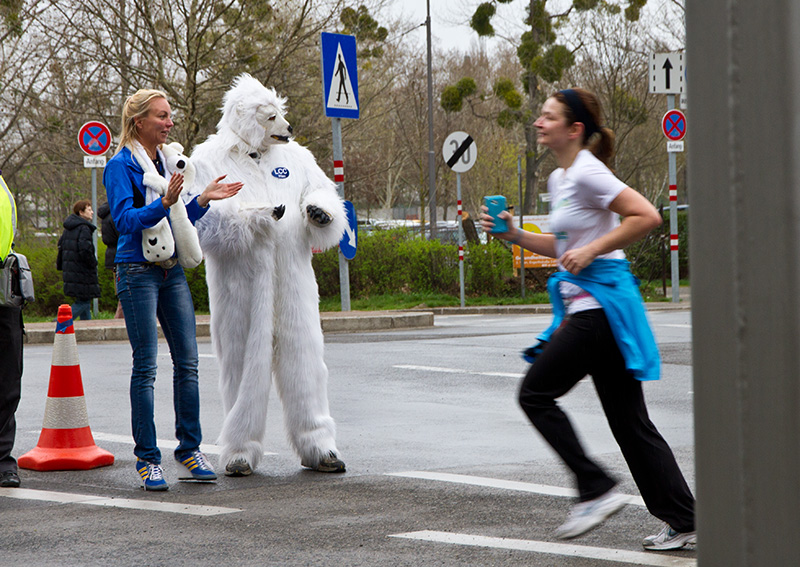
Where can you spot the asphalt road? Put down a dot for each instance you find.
(443, 467)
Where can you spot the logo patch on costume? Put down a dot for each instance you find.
(280, 172)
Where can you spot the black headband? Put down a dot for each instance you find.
(579, 111)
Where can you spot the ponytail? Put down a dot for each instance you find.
(602, 145)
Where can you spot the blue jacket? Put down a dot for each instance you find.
(123, 180)
(613, 285)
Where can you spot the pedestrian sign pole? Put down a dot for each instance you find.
(674, 127)
(460, 152)
(666, 76)
(340, 94)
(94, 138)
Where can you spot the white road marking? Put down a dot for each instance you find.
(502, 484)
(456, 371)
(163, 443)
(676, 325)
(564, 550)
(149, 505)
(201, 355)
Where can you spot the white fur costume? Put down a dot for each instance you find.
(262, 288)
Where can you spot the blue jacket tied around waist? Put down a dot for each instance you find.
(613, 285)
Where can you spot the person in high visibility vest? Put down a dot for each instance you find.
(11, 347)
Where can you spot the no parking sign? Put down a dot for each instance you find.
(94, 138)
(674, 125)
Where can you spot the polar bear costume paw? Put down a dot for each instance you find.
(318, 216)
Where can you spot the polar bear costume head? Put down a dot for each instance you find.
(253, 116)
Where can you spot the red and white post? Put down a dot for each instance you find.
(460, 239)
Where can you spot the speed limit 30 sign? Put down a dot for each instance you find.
(459, 152)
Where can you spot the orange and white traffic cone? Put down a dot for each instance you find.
(66, 441)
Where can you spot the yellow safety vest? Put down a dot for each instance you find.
(8, 219)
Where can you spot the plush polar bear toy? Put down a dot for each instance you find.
(159, 242)
(262, 288)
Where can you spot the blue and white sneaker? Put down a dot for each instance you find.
(151, 476)
(195, 466)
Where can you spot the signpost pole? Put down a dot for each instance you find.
(459, 153)
(94, 138)
(666, 72)
(340, 97)
(521, 249)
(673, 216)
(95, 301)
(460, 239)
(344, 269)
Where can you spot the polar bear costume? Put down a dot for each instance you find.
(262, 289)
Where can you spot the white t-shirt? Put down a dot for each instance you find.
(580, 197)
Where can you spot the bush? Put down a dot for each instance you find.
(388, 262)
(48, 283)
(399, 261)
(650, 257)
(488, 269)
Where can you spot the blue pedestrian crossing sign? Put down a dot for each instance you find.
(339, 75)
(349, 241)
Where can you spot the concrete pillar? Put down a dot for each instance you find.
(743, 63)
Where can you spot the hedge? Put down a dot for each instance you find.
(399, 261)
(48, 285)
(388, 262)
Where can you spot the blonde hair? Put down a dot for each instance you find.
(136, 106)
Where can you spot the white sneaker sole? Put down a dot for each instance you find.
(185, 474)
(678, 542)
(604, 511)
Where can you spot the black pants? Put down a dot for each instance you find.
(585, 345)
(10, 381)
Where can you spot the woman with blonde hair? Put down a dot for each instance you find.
(600, 327)
(156, 292)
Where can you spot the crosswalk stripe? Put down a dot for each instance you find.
(564, 550)
(499, 483)
(206, 448)
(149, 505)
(457, 371)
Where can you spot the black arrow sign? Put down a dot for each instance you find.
(459, 152)
(667, 68)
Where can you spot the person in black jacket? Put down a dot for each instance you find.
(110, 236)
(78, 260)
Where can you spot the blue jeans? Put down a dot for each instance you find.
(82, 308)
(149, 292)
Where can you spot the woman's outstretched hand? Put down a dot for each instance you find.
(217, 191)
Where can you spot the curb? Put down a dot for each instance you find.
(100, 330)
(538, 309)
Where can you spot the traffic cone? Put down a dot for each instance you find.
(66, 441)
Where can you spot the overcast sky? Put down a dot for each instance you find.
(449, 20)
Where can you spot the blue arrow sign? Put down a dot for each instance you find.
(339, 75)
(349, 241)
